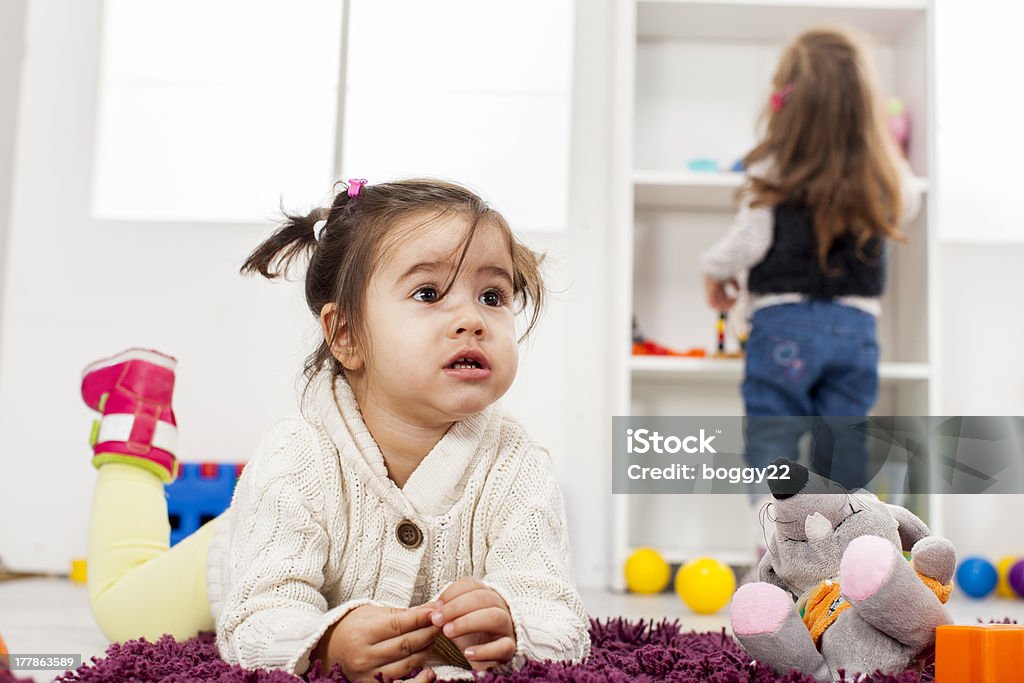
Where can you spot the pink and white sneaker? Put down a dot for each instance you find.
(133, 391)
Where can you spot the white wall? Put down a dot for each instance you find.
(982, 374)
(978, 114)
(76, 289)
(981, 220)
(563, 390)
(12, 46)
(982, 326)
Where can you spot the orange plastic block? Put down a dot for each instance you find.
(981, 653)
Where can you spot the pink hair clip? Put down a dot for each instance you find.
(355, 185)
(780, 96)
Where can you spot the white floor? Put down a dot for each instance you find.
(51, 616)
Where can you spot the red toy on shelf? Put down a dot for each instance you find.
(649, 348)
(642, 346)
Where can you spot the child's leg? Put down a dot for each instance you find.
(137, 585)
(848, 387)
(839, 450)
(780, 367)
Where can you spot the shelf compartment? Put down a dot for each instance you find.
(772, 21)
(672, 368)
(686, 189)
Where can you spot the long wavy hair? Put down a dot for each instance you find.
(827, 144)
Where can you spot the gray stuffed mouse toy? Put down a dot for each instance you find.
(835, 591)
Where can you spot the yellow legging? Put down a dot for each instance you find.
(138, 585)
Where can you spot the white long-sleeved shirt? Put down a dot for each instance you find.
(748, 240)
(310, 535)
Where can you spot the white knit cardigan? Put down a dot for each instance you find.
(310, 535)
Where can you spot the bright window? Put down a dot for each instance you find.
(223, 110)
(216, 110)
(477, 92)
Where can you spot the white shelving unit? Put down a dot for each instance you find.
(691, 190)
(690, 80)
(676, 369)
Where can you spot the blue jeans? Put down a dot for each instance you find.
(815, 358)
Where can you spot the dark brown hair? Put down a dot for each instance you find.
(358, 234)
(828, 145)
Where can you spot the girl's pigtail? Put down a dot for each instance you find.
(295, 238)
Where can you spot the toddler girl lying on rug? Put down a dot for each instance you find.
(404, 521)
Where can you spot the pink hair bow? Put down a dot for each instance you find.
(780, 96)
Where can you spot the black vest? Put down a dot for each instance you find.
(791, 264)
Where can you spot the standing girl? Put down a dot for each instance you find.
(826, 191)
(402, 522)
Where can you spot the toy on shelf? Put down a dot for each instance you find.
(977, 577)
(647, 572)
(705, 584)
(200, 493)
(980, 653)
(702, 165)
(898, 123)
(649, 348)
(642, 346)
(741, 338)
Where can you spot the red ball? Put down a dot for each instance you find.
(1016, 578)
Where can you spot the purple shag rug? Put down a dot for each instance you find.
(622, 651)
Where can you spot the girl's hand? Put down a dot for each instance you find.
(477, 619)
(385, 640)
(718, 297)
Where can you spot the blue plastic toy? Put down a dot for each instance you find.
(200, 493)
(976, 576)
(702, 165)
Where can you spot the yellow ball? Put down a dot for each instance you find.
(78, 570)
(647, 571)
(705, 584)
(1003, 588)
